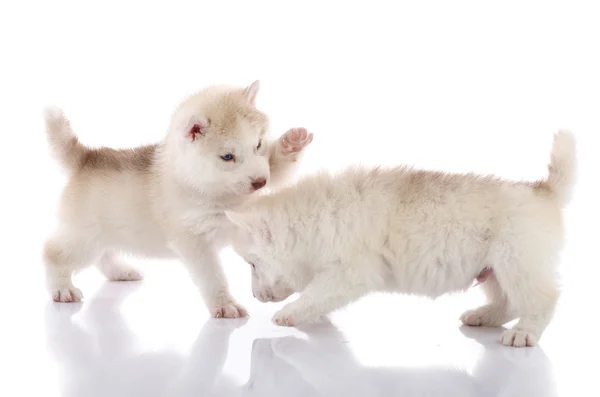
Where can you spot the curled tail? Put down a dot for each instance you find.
(64, 143)
(563, 166)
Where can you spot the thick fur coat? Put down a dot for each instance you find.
(335, 238)
(167, 199)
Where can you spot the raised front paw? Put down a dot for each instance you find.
(230, 309)
(294, 141)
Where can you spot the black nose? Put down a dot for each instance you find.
(259, 183)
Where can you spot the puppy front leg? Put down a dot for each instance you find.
(327, 292)
(203, 264)
(285, 152)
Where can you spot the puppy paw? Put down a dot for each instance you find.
(67, 294)
(115, 270)
(477, 317)
(284, 319)
(518, 338)
(294, 141)
(472, 318)
(229, 310)
(124, 273)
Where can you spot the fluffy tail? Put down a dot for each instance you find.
(563, 166)
(64, 143)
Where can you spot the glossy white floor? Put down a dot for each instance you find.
(460, 86)
(153, 338)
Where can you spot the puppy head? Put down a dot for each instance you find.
(254, 241)
(218, 136)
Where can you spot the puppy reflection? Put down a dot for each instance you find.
(325, 366)
(329, 367)
(98, 357)
(98, 354)
(96, 350)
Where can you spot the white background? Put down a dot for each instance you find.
(458, 86)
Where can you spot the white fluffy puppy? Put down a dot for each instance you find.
(166, 199)
(337, 238)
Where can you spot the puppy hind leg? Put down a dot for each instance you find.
(114, 270)
(64, 254)
(532, 291)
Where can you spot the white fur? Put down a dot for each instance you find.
(337, 238)
(168, 199)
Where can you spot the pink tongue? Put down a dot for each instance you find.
(485, 273)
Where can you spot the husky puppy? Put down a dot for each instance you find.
(337, 238)
(166, 199)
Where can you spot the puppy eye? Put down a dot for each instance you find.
(259, 144)
(228, 157)
(252, 264)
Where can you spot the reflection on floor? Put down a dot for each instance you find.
(98, 354)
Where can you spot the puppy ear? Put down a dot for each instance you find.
(251, 91)
(196, 127)
(252, 223)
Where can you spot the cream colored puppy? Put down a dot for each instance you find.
(337, 238)
(166, 199)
